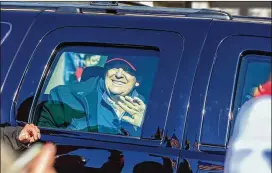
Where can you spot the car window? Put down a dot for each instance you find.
(254, 79)
(98, 89)
(255, 72)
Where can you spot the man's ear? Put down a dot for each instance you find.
(137, 84)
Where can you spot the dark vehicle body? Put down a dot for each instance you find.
(188, 122)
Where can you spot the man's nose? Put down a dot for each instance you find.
(119, 73)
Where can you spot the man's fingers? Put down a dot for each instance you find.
(32, 139)
(136, 105)
(125, 107)
(128, 119)
(129, 99)
(34, 133)
(135, 101)
(37, 129)
(23, 137)
(141, 105)
(38, 132)
(139, 101)
(127, 102)
(132, 112)
(26, 136)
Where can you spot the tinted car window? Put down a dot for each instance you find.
(255, 72)
(105, 90)
(254, 79)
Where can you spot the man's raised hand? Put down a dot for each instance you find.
(135, 107)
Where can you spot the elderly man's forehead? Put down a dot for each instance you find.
(120, 65)
(115, 70)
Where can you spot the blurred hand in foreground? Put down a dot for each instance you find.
(44, 161)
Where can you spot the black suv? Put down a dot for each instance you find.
(130, 89)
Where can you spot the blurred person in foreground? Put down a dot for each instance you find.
(44, 161)
(249, 150)
(18, 139)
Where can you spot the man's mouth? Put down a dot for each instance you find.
(118, 83)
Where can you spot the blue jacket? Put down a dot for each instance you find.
(83, 106)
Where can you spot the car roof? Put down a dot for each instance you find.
(138, 9)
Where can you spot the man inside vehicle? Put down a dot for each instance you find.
(107, 103)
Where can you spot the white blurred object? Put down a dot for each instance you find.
(148, 3)
(260, 12)
(11, 163)
(7, 157)
(232, 11)
(251, 138)
(200, 5)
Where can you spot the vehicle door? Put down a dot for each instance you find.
(233, 64)
(64, 49)
(13, 32)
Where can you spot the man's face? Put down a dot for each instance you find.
(119, 82)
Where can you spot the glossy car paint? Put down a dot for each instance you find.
(183, 140)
